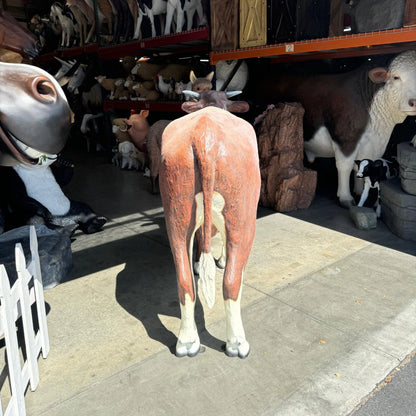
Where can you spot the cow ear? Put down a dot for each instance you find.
(210, 76)
(238, 107)
(191, 106)
(357, 162)
(144, 113)
(378, 75)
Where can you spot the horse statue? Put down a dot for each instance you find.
(35, 117)
(34, 113)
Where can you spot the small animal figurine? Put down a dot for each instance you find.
(373, 172)
(201, 84)
(138, 128)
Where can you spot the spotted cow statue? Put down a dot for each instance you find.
(349, 115)
(210, 177)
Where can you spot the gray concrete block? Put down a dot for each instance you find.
(406, 157)
(54, 250)
(398, 209)
(364, 218)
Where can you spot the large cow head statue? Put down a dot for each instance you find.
(34, 114)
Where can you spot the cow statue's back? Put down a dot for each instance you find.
(210, 176)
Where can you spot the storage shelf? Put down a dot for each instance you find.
(188, 42)
(386, 41)
(168, 106)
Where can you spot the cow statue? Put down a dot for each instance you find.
(210, 177)
(373, 172)
(351, 115)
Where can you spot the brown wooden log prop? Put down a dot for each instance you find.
(286, 184)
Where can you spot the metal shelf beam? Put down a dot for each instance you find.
(372, 43)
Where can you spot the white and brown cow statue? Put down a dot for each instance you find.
(350, 115)
(210, 177)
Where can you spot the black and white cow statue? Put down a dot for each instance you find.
(373, 172)
(349, 115)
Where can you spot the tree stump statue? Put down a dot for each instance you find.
(286, 184)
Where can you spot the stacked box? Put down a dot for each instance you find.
(253, 23)
(224, 24)
(398, 209)
(406, 157)
(410, 13)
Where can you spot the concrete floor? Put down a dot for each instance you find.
(328, 310)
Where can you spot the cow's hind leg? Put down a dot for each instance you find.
(238, 249)
(188, 340)
(237, 344)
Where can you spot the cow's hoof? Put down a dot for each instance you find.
(189, 349)
(240, 349)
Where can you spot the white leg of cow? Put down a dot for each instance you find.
(169, 16)
(345, 165)
(137, 33)
(179, 19)
(237, 344)
(188, 340)
(152, 21)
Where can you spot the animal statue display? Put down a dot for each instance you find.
(59, 16)
(153, 145)
(350, 115)
(180, 9)
(15, 38)
(210, 177)
(138, 127)
(373, 172)
(150, 9)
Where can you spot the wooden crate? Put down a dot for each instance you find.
(410, 13)
(253, 23)
(224, 24)
(281, 21)
(336, 20)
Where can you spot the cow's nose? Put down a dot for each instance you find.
(412, 102)
(43, 89)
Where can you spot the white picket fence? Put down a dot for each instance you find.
(16, 302)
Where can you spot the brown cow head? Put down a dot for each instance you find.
(214, 99)
(16, 38)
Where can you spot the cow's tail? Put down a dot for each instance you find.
(207, 268)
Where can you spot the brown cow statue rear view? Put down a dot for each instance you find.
(210, 177)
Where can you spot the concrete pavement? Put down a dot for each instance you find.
(328, 310)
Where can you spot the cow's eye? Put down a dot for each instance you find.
(396, 77)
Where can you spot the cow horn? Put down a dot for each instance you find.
(190, 93)
(232, 93)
